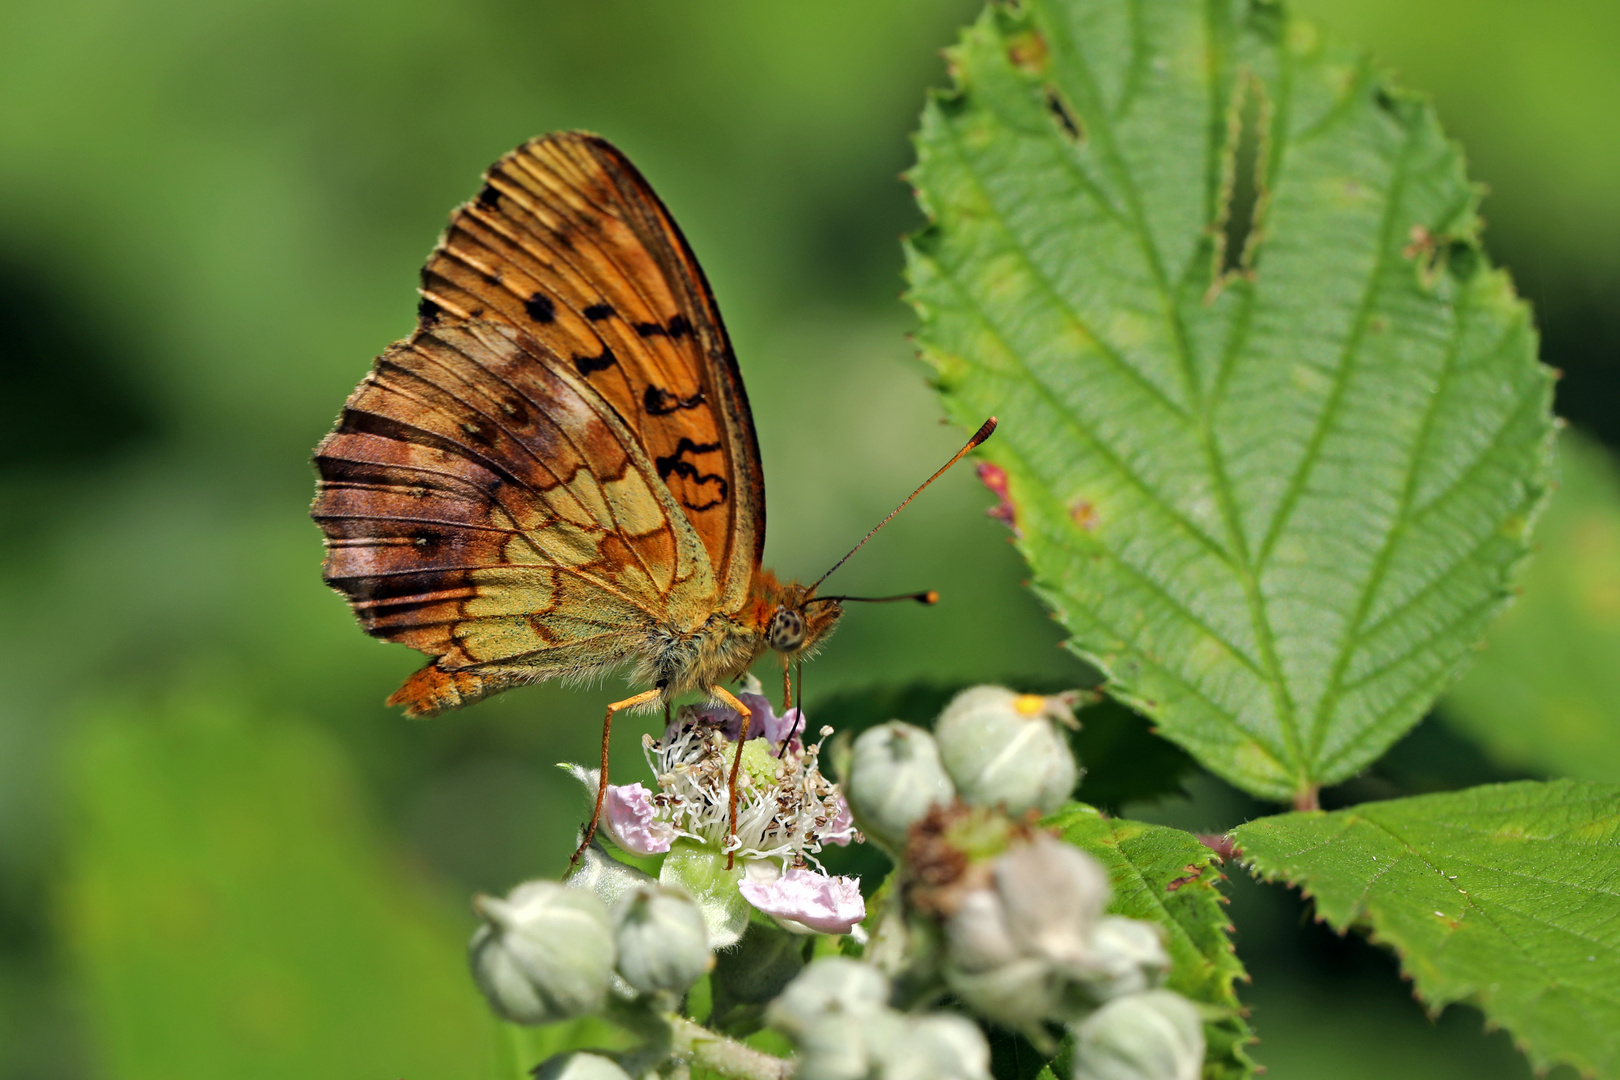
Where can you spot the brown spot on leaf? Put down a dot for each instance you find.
(1028, 52)
(1084, 515)
(1190, 873)
(1423, 243)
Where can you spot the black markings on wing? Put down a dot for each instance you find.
(675, 464)
(598, 312)
(660, 402)
(601, 362)
(541, 308)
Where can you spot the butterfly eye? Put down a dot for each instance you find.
(786, 630)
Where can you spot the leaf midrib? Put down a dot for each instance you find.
(1243, 565)
(996, 216)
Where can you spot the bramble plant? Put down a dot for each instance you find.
(1273, 438)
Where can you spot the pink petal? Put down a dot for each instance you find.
(762, 720)
(629, 816)
(841, 829)
(827, 905)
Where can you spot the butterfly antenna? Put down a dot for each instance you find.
(985, 429)
(928, 597)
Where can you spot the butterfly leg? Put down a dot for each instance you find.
(602, 778)
(747, 714)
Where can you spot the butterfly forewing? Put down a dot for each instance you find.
(568, 245)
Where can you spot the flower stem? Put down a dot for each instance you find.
(697, 1044)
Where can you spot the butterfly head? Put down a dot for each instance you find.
(799, 622)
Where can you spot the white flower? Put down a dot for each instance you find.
(786, 808)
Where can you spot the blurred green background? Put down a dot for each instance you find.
(219, 853)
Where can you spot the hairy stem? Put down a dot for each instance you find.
(697, 1044)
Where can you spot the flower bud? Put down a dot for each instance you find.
(701, 873)
(1053, 894)
(832, 986)
(606, 876)
(662, 943)
(1016, 995)
(1015, 945)
(894, 777)
(849, 1047)
(937, 1046)
(544, 953)
(579, 1065)
(1004, 749)
(1155, 1035)
(750, 975)
(1126, 956)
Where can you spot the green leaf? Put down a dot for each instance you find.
(1506, 895)
(231, 912)
(1168, 876)
(1546, 695)
(1272, 427)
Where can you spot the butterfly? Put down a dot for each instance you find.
(556, 475)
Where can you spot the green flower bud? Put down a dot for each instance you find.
(937, 1046)
(1016, 995)
(846, 1047)
(606, 876)
(832, 986)
(701, 873)
(838, 1015)
(579, 1065)
(662, 943)
(1053, 894)
(545, 953)
(750, 975)
(1004, 749)
(894, 777)
(1126, 956)
(1016, 945)
(1155, 1035)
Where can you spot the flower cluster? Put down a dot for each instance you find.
(1010, 919)
(987, 911)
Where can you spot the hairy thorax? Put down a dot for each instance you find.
(717, 652)
(727, 643)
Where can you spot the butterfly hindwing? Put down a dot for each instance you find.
(568, 245)
(485, 505)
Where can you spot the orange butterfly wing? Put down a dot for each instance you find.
(567, 243)
(538, 483)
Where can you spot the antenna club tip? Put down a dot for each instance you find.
(929, 597)
(986, 429)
